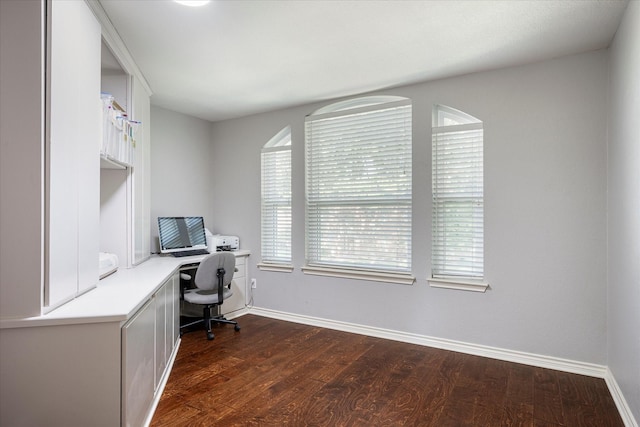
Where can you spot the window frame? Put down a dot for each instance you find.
(277, 229)
(459, 196)
(318, 202)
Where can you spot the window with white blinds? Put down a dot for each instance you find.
(458, 197)
(276, 199)
(358, 186)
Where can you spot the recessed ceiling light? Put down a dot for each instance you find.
(192, 2)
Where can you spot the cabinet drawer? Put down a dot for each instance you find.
(241, 261)
(240, 268)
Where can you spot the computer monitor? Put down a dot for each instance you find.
(184, 233)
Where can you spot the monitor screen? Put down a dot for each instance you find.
(181, 233)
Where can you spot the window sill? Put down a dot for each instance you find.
(461, 285)
(376, 276)
(283, 268)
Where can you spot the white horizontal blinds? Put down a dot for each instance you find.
(276, 199)
(458, 200)
(358, 165)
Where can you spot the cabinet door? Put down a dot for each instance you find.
(73, 151)
(160, 298)
(167, 301)
(141, 175)
(239, 287)
(138, 349)
(175, 297)
(173, 316)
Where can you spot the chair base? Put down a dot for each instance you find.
(208, 320)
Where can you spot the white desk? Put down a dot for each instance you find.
(74, 365)
(118, 296)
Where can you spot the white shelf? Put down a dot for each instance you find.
(108, 163)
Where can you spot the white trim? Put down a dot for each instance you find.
(115, 43)
(620, 401)
(353, 104)
(358, 110)
(549, 362)
(461, 285)
(436, 130)
(237, 313)
(376, 276)
(281, 140)
(284, 268)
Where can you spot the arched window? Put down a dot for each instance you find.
(458, 195)
(358, 189)
(276, 199)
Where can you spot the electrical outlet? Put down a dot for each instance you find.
(253, 284)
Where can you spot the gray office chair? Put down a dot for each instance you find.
(213, 286)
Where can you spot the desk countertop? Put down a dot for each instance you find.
(116, 297)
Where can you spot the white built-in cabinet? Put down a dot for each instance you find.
(72, 147)
(100, 360)
(72, 354)
(148, 341)
(124, 187)
(138, 355)
(93, 205)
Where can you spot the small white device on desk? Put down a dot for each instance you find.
(224, 243)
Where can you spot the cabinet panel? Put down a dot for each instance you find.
(166, 299)
(73, 156)
(160, 336)
(175, 333)
(138, 349)
(173, 301)
(141, 175)
(147, 347)
(239, 288)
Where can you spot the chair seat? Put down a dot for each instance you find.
(204, 297)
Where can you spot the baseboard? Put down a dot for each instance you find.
(548, 362)
(621, 402)
(237, 313)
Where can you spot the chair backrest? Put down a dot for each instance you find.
(206, 275)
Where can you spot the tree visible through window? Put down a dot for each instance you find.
(358, 185)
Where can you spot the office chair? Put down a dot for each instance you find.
(213, 286)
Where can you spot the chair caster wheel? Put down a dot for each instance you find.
(209, 336)
(236, 328)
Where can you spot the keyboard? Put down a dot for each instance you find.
(190, 253)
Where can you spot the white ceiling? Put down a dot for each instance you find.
(233, 58)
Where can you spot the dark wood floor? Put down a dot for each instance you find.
(276, 373)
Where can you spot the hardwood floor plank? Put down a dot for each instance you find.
(585, 402)
(460, 406)
(411, 400)
(276, 373)
(547, 404)
(489, 405)
(518, 401)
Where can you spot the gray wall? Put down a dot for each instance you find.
(624, 209)
(545, 214)
(180, 168)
